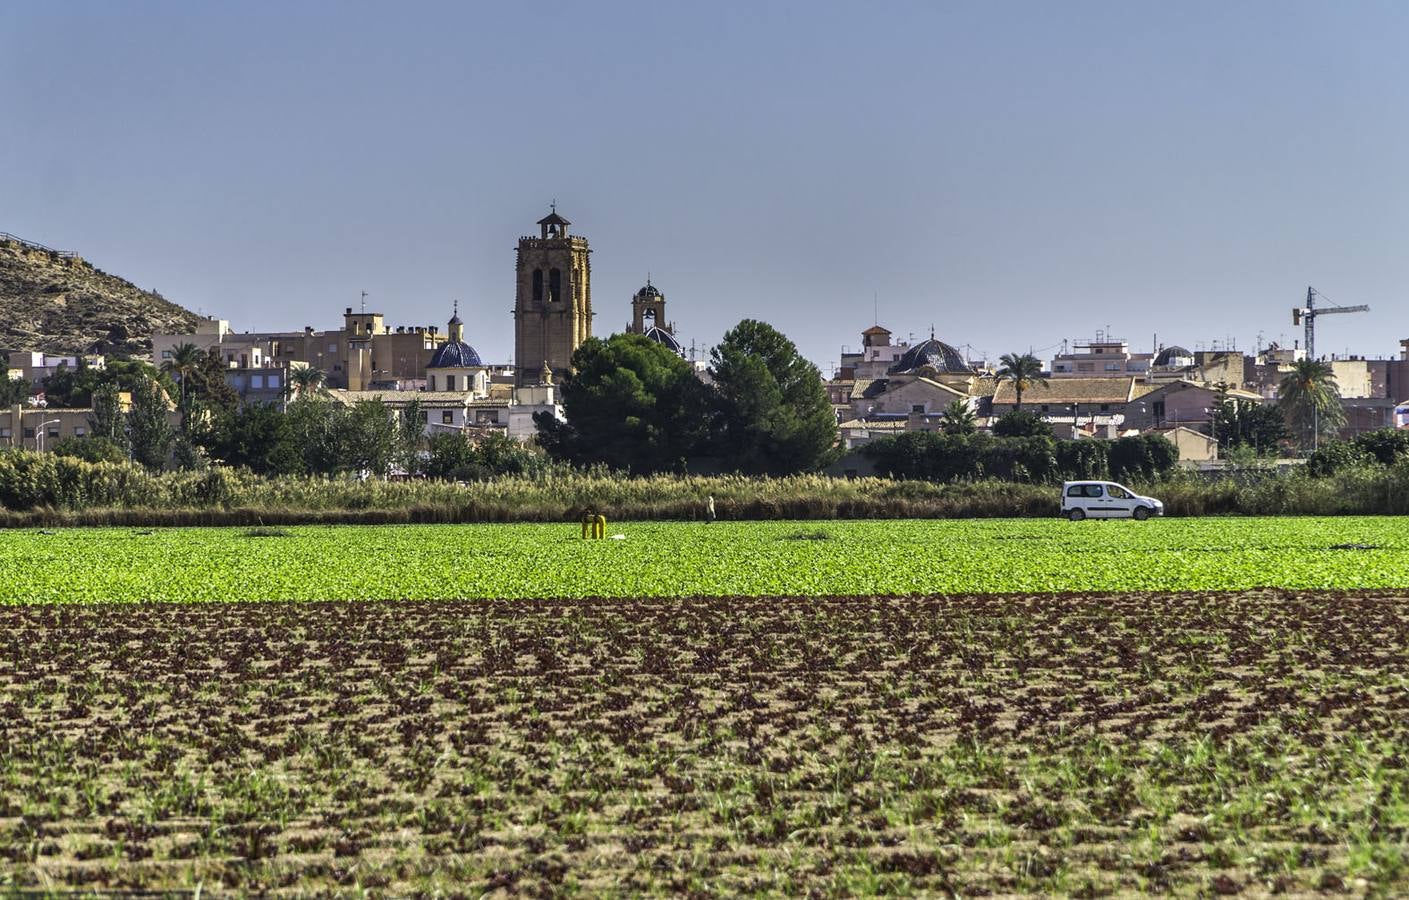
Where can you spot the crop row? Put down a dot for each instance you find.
(895, 557)
(1056, 745)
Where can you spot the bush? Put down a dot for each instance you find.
(1386, 445)
(1146, 457)
(90, 449)
(1337, 456)
(1021, 423)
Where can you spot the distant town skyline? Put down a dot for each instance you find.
(1013, 174)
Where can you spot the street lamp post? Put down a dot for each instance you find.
(39, 434)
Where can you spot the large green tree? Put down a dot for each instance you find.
(148, 428)
(259, 437)
(73, 388)
(1023, 370)
(185, 359)
(1245, 423)
(630, 404)
(1310, 400)
(108, 421)
(14, 391)
(775, 417)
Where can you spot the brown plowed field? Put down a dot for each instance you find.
(1225, 743)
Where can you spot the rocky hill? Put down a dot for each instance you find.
(57, 302)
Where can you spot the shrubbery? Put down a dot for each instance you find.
(1383, 447)
(1035, 458)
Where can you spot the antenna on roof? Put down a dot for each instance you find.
(875, 308)
(364, 303)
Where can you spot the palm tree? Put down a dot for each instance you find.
(1310, 400)
(307, 380)
(1024, 370)
(185, 360)
(957, 418)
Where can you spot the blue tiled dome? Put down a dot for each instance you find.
(454, 355)
(931, 354)
(665, 338)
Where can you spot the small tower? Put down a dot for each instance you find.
(648, 310)
(553, 299)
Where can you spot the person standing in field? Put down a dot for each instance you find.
(709, 509)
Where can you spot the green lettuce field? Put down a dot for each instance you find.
(691, 559)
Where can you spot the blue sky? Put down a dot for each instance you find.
(1011, 173)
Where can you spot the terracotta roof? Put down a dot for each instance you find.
(1074, 390)
(1185, 383)
(876, 329)
(866, 388)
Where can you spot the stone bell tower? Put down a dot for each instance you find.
(553, 300)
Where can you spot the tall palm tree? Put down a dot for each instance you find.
(1310, 400)
(1024, 370)
(307, 380)
(957, 418)
(185, 360)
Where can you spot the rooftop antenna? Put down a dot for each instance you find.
(364, 303)
(875, 308)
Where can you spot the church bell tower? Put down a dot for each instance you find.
(553, 300)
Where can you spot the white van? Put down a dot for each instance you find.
(1106, 500)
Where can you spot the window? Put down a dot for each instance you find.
(1105, 407)
(555, 285)
(273, 382)
(257, 382)
(917, 408)
(28, 431)
(166, 354)
(1112, 367)
(333, 347)
(53, 431)
(1043, 407)
(79, 430)
(426, 416)
(447, 418)
(1118, 492)
(5, 433)
(537, 285)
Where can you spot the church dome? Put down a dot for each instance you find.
(454, 355)
(1173, 356)
(931, 354)
(664, 338)
(648, 292)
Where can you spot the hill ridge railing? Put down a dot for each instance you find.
(35, 245)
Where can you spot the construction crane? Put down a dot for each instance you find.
(1309, 312)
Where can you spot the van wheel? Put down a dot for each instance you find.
(1141, 513)
(1077, 515)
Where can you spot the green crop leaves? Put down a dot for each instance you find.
(894, 557)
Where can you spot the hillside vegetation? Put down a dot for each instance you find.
(59, 303)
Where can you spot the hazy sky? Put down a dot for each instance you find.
(1012, 173)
